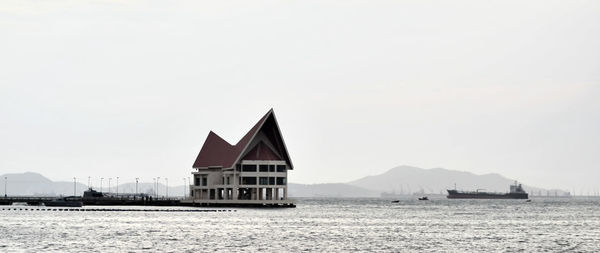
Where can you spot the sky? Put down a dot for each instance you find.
(131, 88)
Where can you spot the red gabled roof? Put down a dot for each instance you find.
(217, 152)
(261, 152)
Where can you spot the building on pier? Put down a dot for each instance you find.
(254, 171)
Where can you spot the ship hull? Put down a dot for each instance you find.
(64, 203)
(453, 194)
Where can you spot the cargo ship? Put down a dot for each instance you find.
(516, 192)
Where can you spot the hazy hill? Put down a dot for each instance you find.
(407, 179)
(399, 180)
(30, 183)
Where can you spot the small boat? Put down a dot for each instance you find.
(424, 198)
(395, 201)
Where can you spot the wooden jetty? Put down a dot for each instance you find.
(102, 201)
(34, 201)
(140, 201)
(42, 209)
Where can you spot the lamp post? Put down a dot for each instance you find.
(136, 185)
(89, 182)
(5, 179)
(74, 186)
(117, 186)
(154, 186)
(101, 183)
(110, 178)
(157, 182)
(167, 187)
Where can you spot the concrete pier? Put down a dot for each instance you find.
(110, 201)
(43, 209)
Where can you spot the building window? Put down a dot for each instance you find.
(249, 180)
(263, 168)
(271, 181)
(249, 167)
(280, 168)
(263, 181)
(204, 181)
(228, 180)
(197, 181)
(281, 181)
(271, 168)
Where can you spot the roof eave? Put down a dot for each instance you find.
(262, 123)
(291, 165)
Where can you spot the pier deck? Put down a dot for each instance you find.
(126, 201)
(238, 203)
(77, 209)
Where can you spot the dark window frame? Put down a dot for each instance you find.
(263, 180)
(281, 168)
(249, 181)
(263, 168)
(249, 168)
(281, 181)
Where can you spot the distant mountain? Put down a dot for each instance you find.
(409, 180)
(329, 190)
(399, 180)
(32, 184)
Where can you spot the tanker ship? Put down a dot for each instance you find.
(516, 192)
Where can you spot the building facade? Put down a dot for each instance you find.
(253, 171)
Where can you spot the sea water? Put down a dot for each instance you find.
(321, 225)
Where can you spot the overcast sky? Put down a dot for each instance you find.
(132, 88)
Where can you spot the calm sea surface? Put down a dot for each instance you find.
(323, 225)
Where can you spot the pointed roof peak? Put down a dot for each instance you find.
(212, 134)
(250, 134)
(214, 153)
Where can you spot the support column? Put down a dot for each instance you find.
(276, 193)
(285, 193)
(235, 182)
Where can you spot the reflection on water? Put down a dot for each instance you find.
(323, 225)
